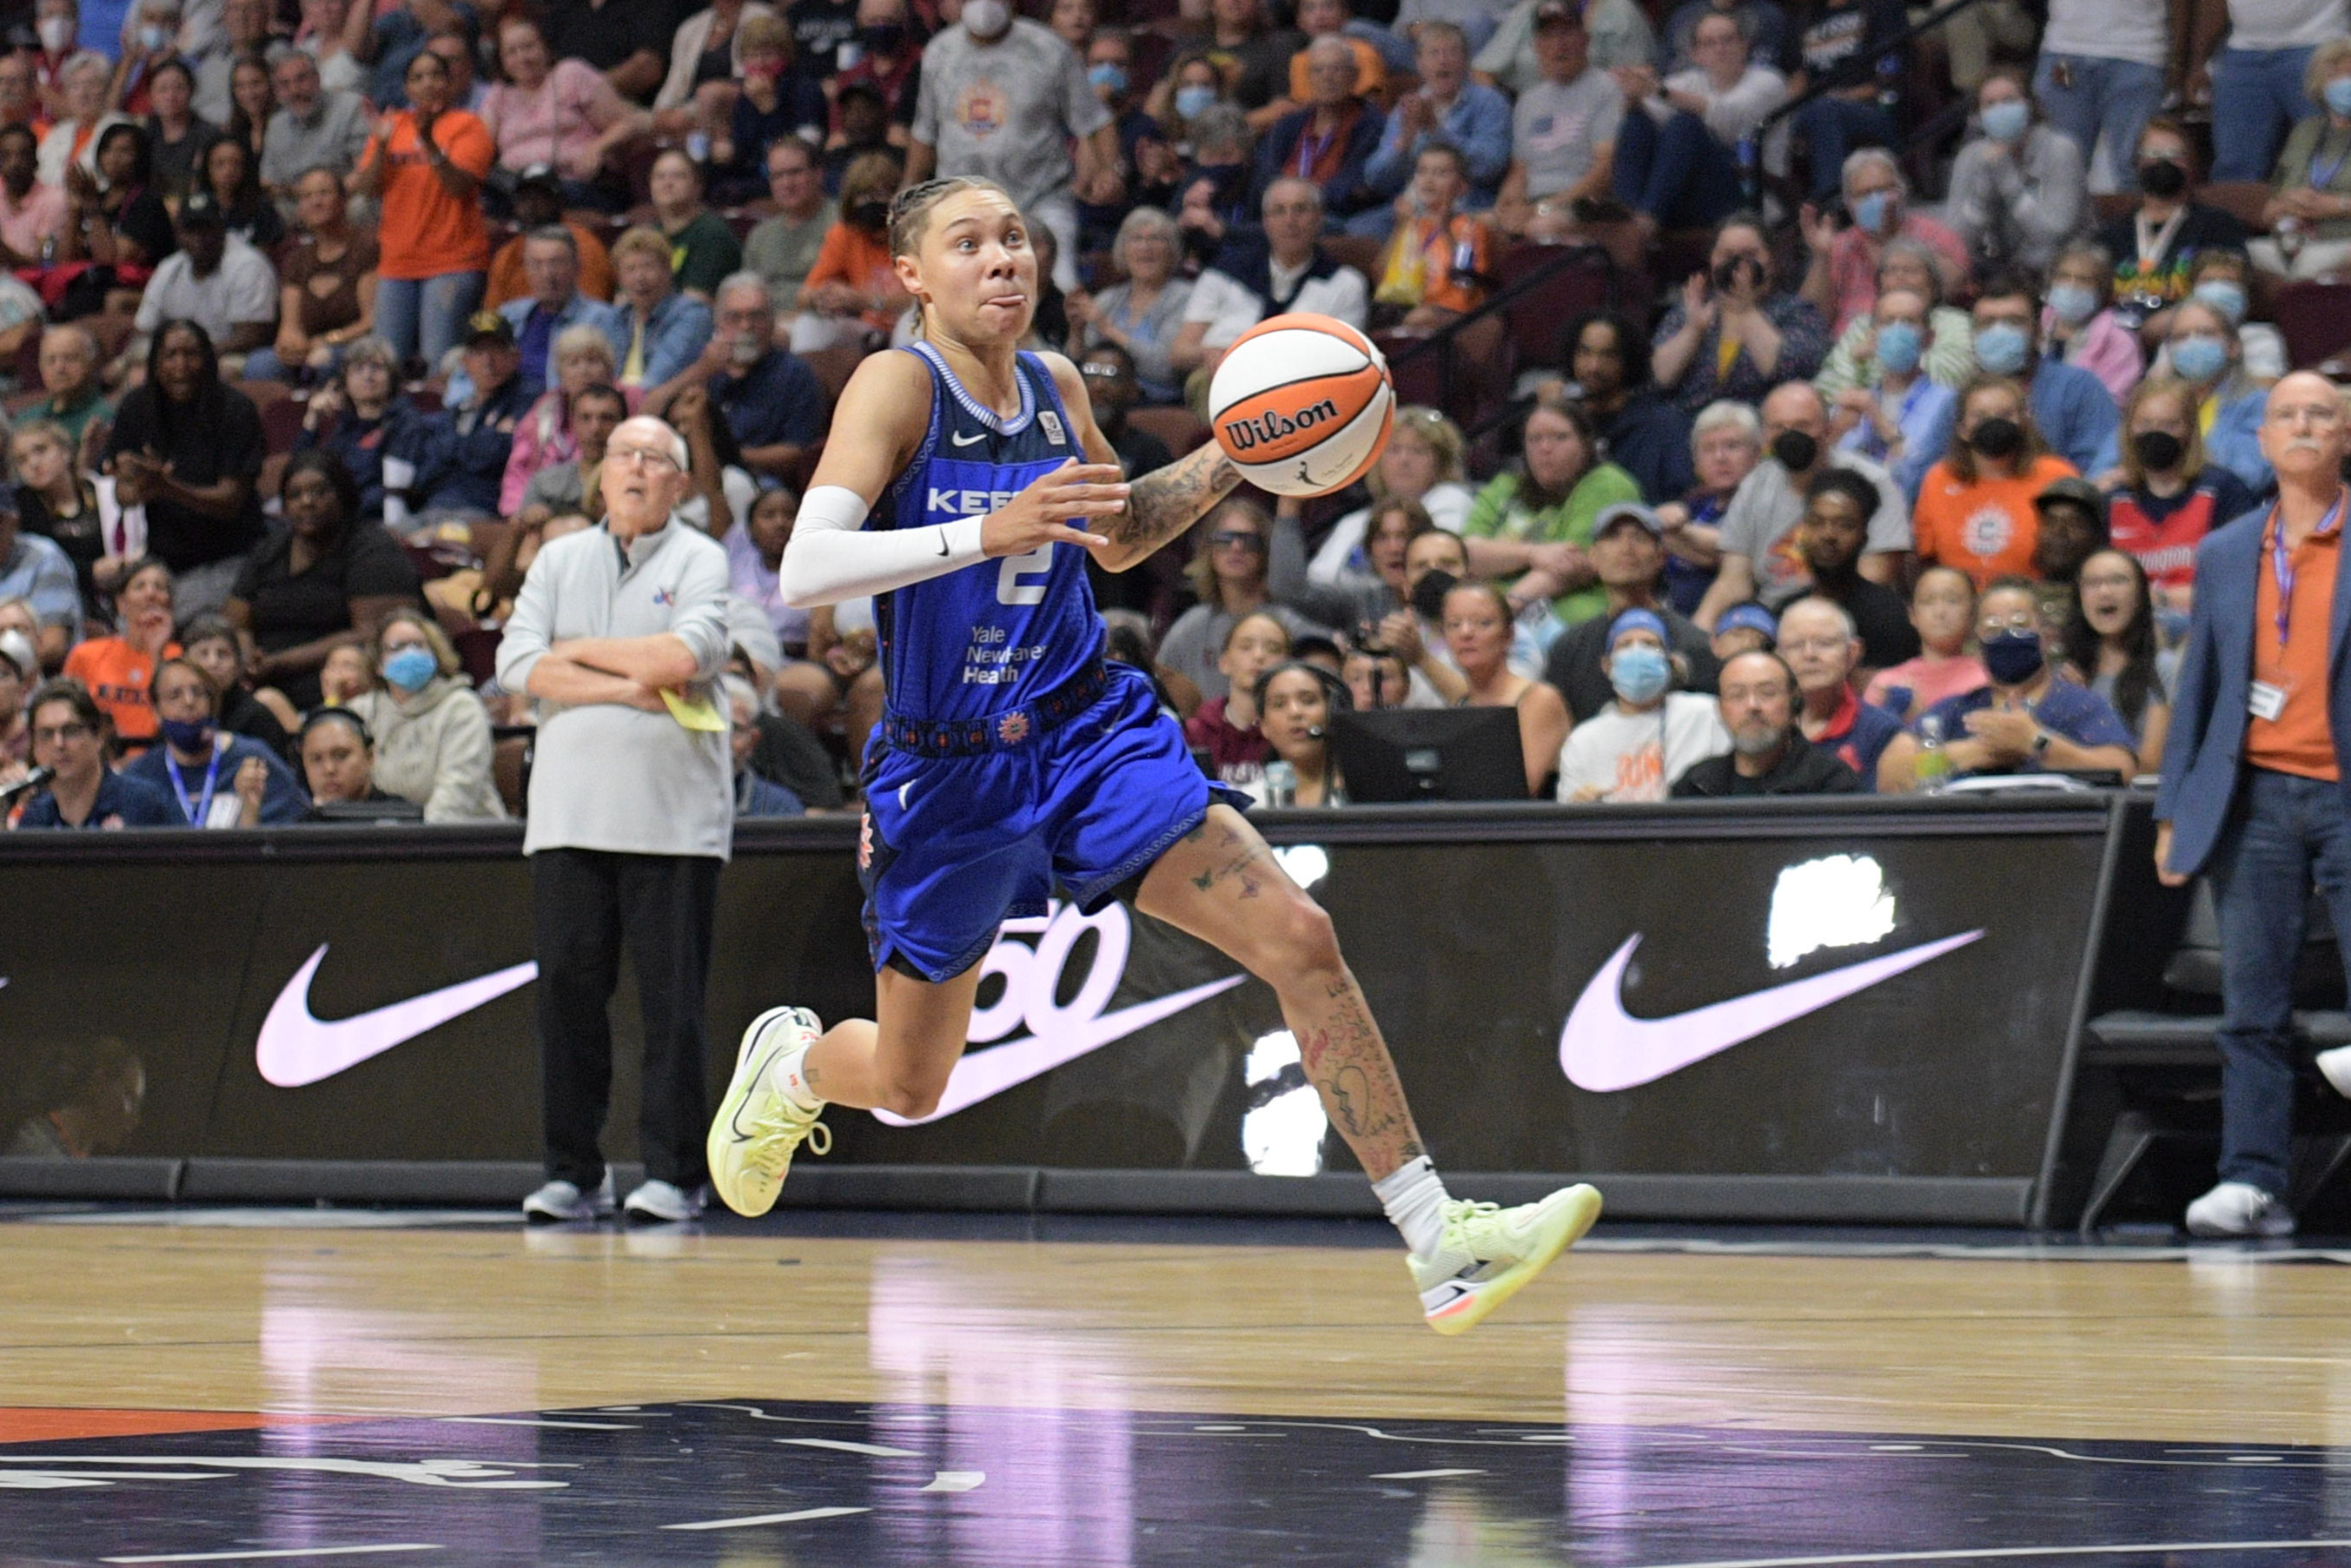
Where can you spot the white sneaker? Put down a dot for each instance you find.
(661, 1202)
(561, 1203)
(2335, 1066)
(1490, 1252)
(2238, 1209)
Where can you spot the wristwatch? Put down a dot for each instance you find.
(2040, 739)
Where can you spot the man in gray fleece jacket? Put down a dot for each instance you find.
(620, 632)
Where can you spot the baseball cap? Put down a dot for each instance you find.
(1637, 621)
(1751, 616)
(201, 209)
(1552, 13)
(1621, 511)
(489, 324)
(2079, 491)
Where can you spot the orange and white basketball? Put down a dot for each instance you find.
(1302, 404)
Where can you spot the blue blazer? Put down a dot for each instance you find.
(2202, 760)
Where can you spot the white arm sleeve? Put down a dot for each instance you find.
(830, 558)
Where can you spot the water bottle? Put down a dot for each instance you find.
(1281, 784)
(697, 146)
(1933, 767)
(2288, 234)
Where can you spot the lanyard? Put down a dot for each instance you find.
(1310, 148)
(2323, 175)
(2281, 564)
(197, 813)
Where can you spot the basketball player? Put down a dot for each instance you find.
(1012, 758)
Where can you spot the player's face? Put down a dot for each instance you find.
(977, 273)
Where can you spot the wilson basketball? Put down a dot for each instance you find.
(1302, 404)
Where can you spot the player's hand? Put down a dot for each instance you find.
(1044, 512)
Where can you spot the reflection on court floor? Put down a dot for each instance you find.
(815, 1485)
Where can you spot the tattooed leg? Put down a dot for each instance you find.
(1222, 885)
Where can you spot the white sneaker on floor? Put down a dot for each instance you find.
(561, 1203)
(2335, 1066)
(661, 1203)
(2239, 1210)
(1490, 1252)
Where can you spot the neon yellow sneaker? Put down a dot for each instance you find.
(758, 1125)
(1490, 1252)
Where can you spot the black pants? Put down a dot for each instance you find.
(585, 903)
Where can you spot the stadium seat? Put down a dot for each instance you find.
(833, 367)
(281, 414)
(2315, 319)
(1357, 250)
(1539, 316)
(2242, 198)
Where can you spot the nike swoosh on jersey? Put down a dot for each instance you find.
(987, 1074)
(1603, 1049)
(296, 1048)
(967, 440)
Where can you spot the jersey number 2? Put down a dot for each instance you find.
(1010, 590)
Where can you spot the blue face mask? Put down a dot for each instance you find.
(2001, 349)
(2013, 657)
(411, 669)
(2227, 298)
(2337, 94)
(1194, 100)
(2006, 120)
(1107, 76)
(1639, 674)
(2199, 359)
(2074, 303)
(189, 734)
(1899, 344)
(1870, 212)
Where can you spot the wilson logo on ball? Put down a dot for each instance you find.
(1302, 404)
(1245, 434)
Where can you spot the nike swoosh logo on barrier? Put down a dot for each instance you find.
(295, 1047)
(1603, 1049)
(987, 1074)
(969, 440)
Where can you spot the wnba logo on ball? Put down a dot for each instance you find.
(1244, 434)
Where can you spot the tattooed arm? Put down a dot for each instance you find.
(1163, 503)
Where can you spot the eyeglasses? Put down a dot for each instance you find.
(1815, 644)
(643, 456)
(1235, 538)
(63, 733)
(1101, 372)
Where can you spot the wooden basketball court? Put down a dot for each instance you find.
(237, 1386)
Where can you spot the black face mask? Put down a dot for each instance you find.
(2159, 451)
(1998, 438)
(1737, 270)
(1796, 451)
(2161, 177)
(1428, 594)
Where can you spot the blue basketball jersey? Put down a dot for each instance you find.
(1000, 633)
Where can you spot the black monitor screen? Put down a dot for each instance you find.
(1430, 754)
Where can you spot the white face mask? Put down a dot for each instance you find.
(985, 18)
(57, 33)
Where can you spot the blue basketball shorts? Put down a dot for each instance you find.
(953, 847)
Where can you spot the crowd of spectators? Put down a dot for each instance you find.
(320, 318)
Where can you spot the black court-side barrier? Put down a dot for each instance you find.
(1858, 1010)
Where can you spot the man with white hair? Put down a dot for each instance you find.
(1251, 280)
(620, 632)
(2253, 784)
(769, 395)
(1841, 276)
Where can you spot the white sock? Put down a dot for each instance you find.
(787, 1077)
(1414, 1196)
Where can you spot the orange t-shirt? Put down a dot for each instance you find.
(849, 254)
(116, 676)
(2300, 740)
(1987, 529)
(425, 231)
(507, 281)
